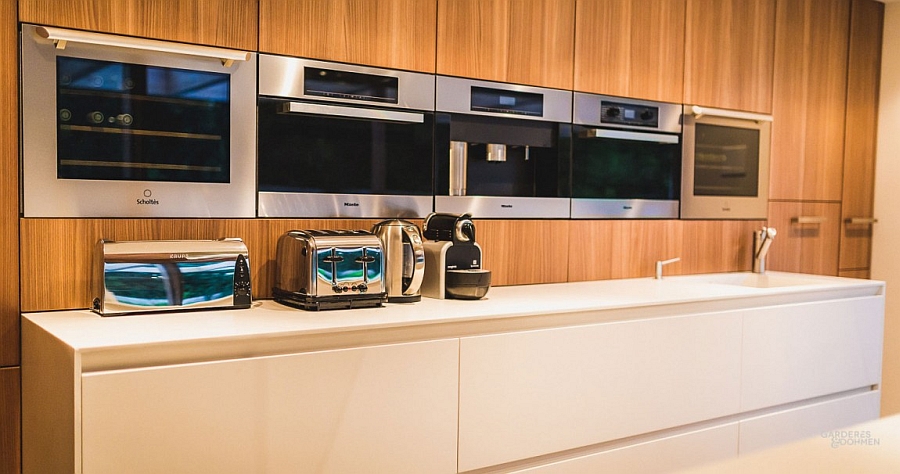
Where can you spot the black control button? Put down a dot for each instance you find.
(613, 111)
(336, 289)
(646, 115)
(363, 287)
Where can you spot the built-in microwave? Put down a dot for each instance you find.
(117, 126)
(626, 158)
(340, 140)
(726, 164)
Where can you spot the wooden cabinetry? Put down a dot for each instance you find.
(533, 393)
(518, 41)
(10, 403)
(729, 56)
(397, 34)
(863, 81)
(226, 23)
(809, 99)
(630, 49)
(807, 239)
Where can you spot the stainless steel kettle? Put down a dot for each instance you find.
(404, 259)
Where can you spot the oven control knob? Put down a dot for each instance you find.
(646, 115)
(613, 111)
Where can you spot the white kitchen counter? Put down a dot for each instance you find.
(271, 328)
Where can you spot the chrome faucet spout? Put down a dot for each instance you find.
(762, 240)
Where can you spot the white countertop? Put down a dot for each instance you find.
(270, 328)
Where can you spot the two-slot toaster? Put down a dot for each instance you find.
(329, 269)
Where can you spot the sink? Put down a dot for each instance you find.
(756, 280)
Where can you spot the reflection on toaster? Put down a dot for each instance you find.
(329, 269)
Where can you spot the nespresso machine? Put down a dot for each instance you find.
(502, 150)
(453, 259)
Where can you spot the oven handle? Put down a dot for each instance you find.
(353, 112)
(698, 112)
(634, 136)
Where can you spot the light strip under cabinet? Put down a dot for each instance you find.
(61, 37)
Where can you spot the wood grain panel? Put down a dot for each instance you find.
(805, 248)
(520, 252)
(9, 187)
(10, 427)
(631, 49)
(399, 34)
(729, 54)
(541, 42)
(718, 246)
(809, 99)
(863, 83)
(473, 38)
(226, 23)
(611, 249)
(862, 274)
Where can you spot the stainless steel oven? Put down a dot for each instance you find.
(626, 158)
(726, 164)
(502, 150)
(123, 127)
(337, 140)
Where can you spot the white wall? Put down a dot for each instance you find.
(886, 233)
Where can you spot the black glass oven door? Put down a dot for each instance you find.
(726, 161)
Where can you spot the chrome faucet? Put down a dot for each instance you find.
(660, 263)
(762, 239)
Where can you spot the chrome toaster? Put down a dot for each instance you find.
(170, 275)
(329, 269)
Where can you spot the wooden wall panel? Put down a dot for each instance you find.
(226, 23)
(805, 248)
(729, 54)
(630, 49)
(718, 246)
(863, 274)
(9, 187)
(610, 249)
(10, 427)
(524, 251)
(541, 42)
(399, 34)
(473, 38)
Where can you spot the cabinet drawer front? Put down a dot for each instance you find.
(538, 392)
(376, 409)
(807, 421)
(801, 351)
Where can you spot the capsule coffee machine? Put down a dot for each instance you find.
(453, 259)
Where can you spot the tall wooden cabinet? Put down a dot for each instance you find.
(518, 41)
(809, 99)
(807, 238)
(728, 59)
(630, 49)
(864, 71)
(398, 34)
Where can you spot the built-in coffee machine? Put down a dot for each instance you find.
(502, 150)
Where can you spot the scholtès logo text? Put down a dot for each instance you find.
(147, 200)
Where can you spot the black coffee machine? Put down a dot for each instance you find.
(453, 259)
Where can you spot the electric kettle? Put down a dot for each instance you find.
(404, 259)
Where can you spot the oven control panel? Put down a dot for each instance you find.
(629, 114)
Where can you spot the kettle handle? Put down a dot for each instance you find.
(415, 239)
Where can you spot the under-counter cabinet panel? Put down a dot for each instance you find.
(729, 54)
(810, 90)
(538, 392)
(374, 409)
(398, 34)
(815, 419)
(519, 41)
(225, 23)
(808, 237)
(630, 49)
(801, 351)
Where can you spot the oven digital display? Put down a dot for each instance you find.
(502, 101)
(120, 121)
(350, 85)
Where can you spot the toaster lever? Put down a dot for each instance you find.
(333, 258)
(365, 259)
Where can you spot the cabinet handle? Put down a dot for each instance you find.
(861, 220)
(808, 220)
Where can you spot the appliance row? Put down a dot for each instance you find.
(116, 127)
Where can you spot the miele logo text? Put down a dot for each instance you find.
(506, 206)
(152, 202)
(351, 204)
(178, 256)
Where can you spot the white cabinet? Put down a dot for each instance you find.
(809, 420)
(800, 351)
(376, 409)
(532, 393)
(667, 454)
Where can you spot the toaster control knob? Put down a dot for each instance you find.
(336, 289)
(363, 287)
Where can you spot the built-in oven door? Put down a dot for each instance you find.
(625, 174)
(338, 140)
(726, 164)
